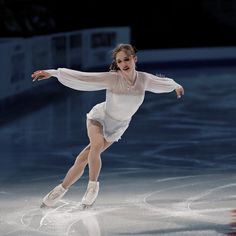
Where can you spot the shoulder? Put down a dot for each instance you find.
(112, 74)
(150, 76)
(145, 76)
(142, 73)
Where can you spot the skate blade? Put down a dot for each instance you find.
(44, 206)
(86, 207)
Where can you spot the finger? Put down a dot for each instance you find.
(38, 72)
(41, 77)
(36, 77)
(178, 94)
(35, 73)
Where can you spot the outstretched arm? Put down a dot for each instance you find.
(157, 84)
(85, 81)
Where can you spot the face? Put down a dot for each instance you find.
(126, 63)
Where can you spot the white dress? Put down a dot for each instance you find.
(122, 98)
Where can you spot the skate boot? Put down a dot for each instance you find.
(90, 195)
(53, 196)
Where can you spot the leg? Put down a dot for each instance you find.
(90, 155)
(97, 145)
(76, 171)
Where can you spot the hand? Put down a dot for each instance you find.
(179, 91)
(40, 75)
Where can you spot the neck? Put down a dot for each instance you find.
(130, 76)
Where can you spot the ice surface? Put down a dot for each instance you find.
(173, 172)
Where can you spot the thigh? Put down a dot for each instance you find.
(94, 130)
(95, 134)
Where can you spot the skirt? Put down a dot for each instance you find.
(112, 129)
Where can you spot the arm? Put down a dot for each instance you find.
(85, 81)
(157, 84)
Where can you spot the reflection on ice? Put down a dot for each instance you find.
(135, 203)
(67, 219)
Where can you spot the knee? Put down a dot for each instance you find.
(82, 158)
(97, 146)
(81, 161)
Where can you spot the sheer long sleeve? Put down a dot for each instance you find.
(84, 81)
(157, 84)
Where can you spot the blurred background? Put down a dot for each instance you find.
(165, 24)
(43, 124)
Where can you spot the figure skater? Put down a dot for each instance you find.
(107, 121)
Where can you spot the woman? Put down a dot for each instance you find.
(107, 121)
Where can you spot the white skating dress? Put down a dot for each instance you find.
(122, 98)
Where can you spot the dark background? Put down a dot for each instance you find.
(163, 24)
(175, 165)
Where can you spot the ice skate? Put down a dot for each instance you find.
(53, 196)
(90, 195)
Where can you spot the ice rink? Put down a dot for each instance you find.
(172, 173)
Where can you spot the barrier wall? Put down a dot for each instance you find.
(97, 45)
(82, 49)
(187, 54)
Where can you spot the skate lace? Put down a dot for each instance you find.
(55, 194)
(90, 192)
